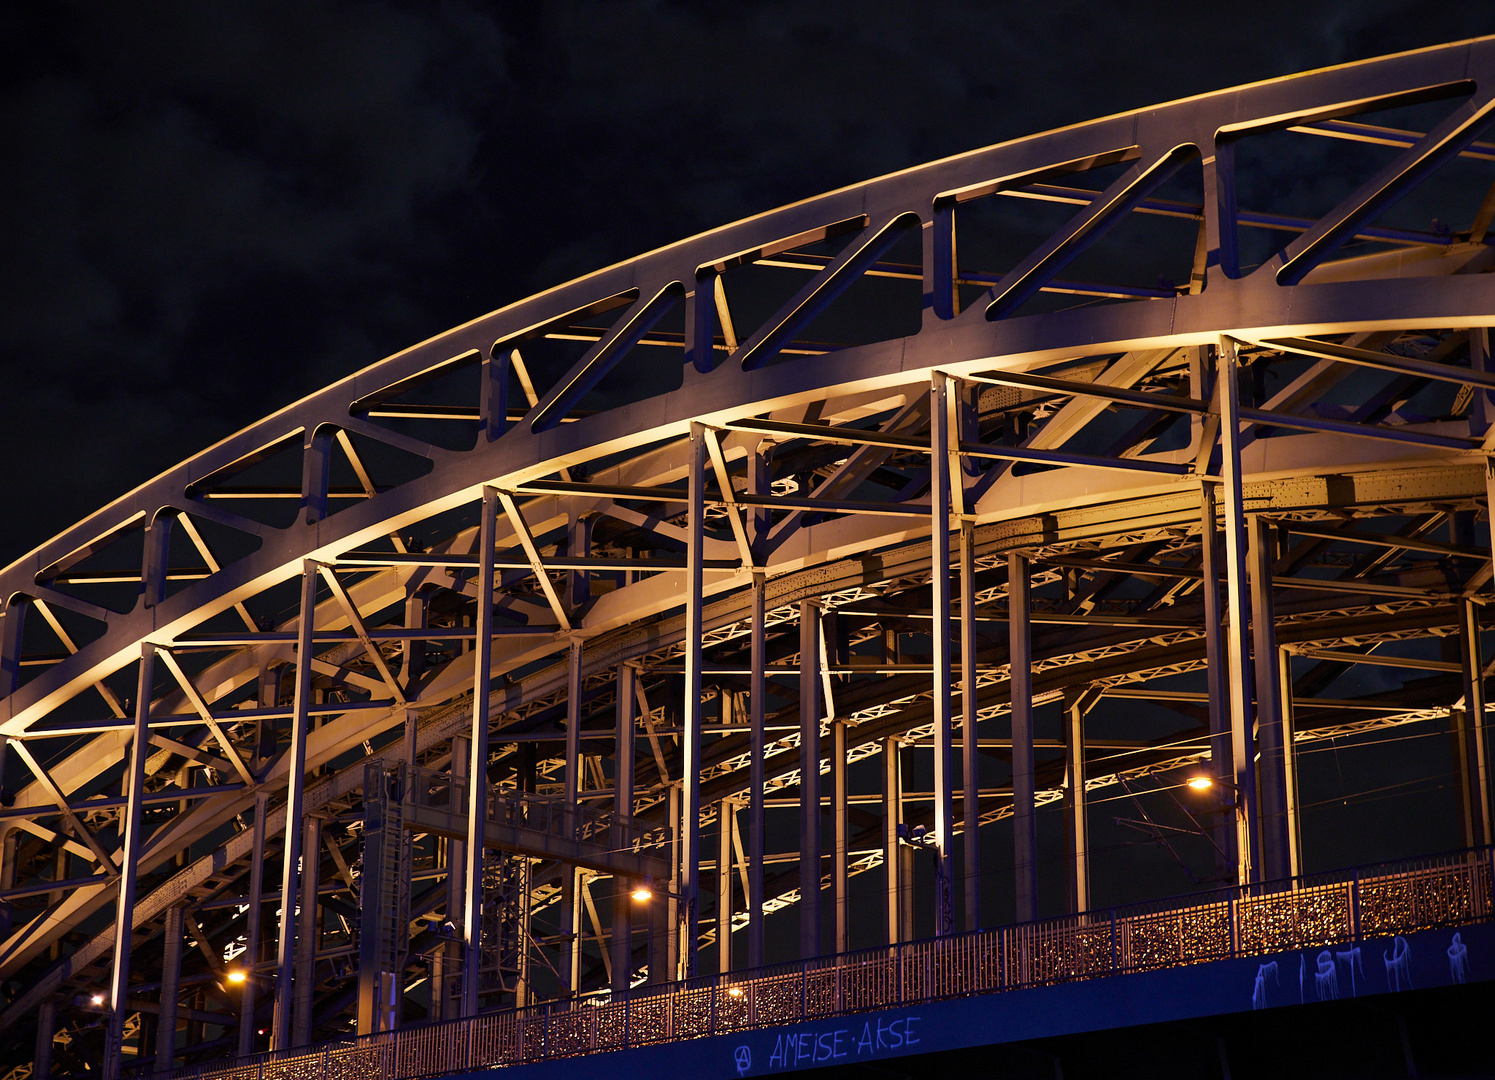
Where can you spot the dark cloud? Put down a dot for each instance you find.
(208, 210)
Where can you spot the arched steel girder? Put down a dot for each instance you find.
(1298, 296)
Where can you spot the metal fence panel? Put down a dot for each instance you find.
(1307, 913)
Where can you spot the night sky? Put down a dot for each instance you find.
(208, 210)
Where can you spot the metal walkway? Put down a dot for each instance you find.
(1309, 912)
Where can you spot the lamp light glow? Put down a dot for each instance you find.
(97, 999)
(642, 893)
(735, 991)
(237, 976)
(1200, 783)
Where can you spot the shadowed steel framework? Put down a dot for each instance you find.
(829, 545)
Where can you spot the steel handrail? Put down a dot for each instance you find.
(1235, 921)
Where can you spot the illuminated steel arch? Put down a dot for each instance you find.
(802, 538)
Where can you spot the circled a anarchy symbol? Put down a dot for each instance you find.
(744, 1060)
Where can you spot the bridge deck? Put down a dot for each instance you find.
(1229, 950)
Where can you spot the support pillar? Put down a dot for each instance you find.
(672, 903)
(759, 482)
(477, 763)
(1276, 845)
(892, 803)
(46, 1030)
(969, 747)
(571, 912)
(1076, 834)
(1290, 761)
(809, 779)
(1474, 781)
(252, 919)
(1237, 618)
(571, 915)
(171, 974)
(456, 893)
(757, 746)
(285, 955)
(622, 929)
(726, 813)
(840, 836)
(1217, 679)
(1020, 659)
(134, 825)
(690, 740)
(7, 871)
(307, 934)
(940, 408)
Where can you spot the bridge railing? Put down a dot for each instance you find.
(1306, 912)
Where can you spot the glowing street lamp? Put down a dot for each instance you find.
(237, 976)
(1202, 782)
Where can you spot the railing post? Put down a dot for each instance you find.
(1115, 969)
(1232, 905)
(1355, 906)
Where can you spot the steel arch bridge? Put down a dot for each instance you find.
(1066, 424)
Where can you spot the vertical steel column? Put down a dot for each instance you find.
(891, 803)
(969, 747)
(838, 817)
(456, 892)
(941, 400)
(252, 925)
(726, 812)
(477, 763)
(307, 932)
(1076, 831)
(757, 745)
(759, 483)
(46, 1031)
(1237, 614)
(7, 865)
(1217, 679)
(1289, 762)
(809, 779)
(1474, 780)
(171, 974)
(690, 741)
(622, 928)
(413, 664)
(1020, 659)
(1276, 847)
(672, 902)
(285, 955)
(134, 825)
(579, 578)
(571, 902)
(571, 926)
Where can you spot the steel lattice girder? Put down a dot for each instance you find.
(851, 412)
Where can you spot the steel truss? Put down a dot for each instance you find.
(802, 555)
